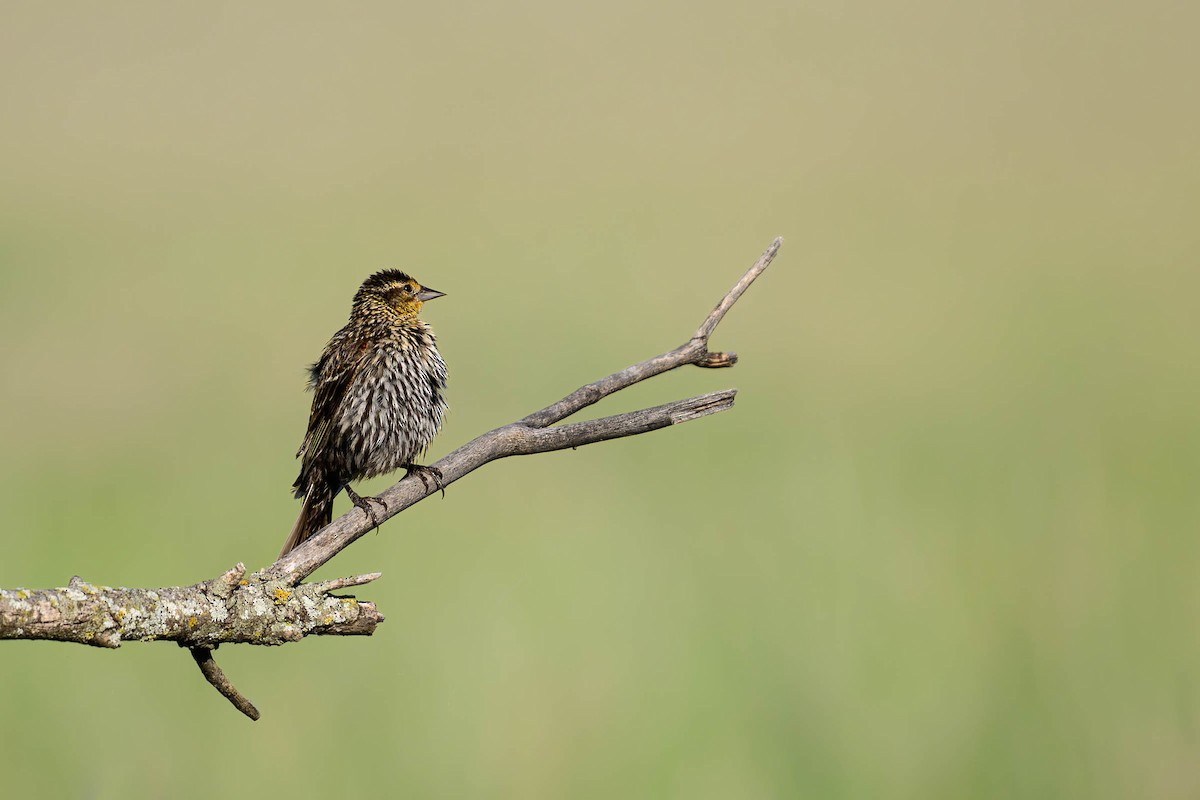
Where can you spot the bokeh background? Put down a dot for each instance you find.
(945, 545)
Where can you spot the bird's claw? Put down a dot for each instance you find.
(364, 503)
(431, 477)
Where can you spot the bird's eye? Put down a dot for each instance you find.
(408, 288)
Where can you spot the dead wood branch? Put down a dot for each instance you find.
(273, 606)
(229, 609)
(533, 434)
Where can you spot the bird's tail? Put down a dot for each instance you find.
(316, 513)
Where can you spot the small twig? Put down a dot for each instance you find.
(227, 583)
(714, 319)
(341, 583)
(524, 441)
(213, 674)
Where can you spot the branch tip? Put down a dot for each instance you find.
(227, 582)
(213, 674)
(341, 583)
(702, 406)
(717, 360)
(710, 323)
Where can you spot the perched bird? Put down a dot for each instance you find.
(377, 400)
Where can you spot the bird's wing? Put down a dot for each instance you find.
(329, 380)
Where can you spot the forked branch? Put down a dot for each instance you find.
(533, 434)
(273, 606)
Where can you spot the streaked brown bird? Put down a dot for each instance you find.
(377, 400)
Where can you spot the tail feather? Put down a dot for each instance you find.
(315, 513)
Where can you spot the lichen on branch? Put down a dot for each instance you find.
(232, 608)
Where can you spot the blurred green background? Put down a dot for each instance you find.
(945, 545)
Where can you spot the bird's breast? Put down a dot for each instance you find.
(394, 406)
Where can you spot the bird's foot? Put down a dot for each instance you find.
(364, 503)
(430, 476)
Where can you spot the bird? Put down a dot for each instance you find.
(378, 401)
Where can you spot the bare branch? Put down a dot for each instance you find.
(523, 441)
(342, 583)
(213, 674)
(693, 351)
(273, 607)
(518, 437)
(714, 319)
(227, 609)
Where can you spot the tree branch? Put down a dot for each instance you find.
(520, 438)
(214, 675)
(273, 607)
(227, 609)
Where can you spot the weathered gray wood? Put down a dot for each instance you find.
(228, 609)
(273, 607)
(533, 434)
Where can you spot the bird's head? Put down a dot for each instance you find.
(393, 291)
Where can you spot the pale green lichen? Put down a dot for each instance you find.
(217, 610)
(269, 609)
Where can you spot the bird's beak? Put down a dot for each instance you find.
(426, 294)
